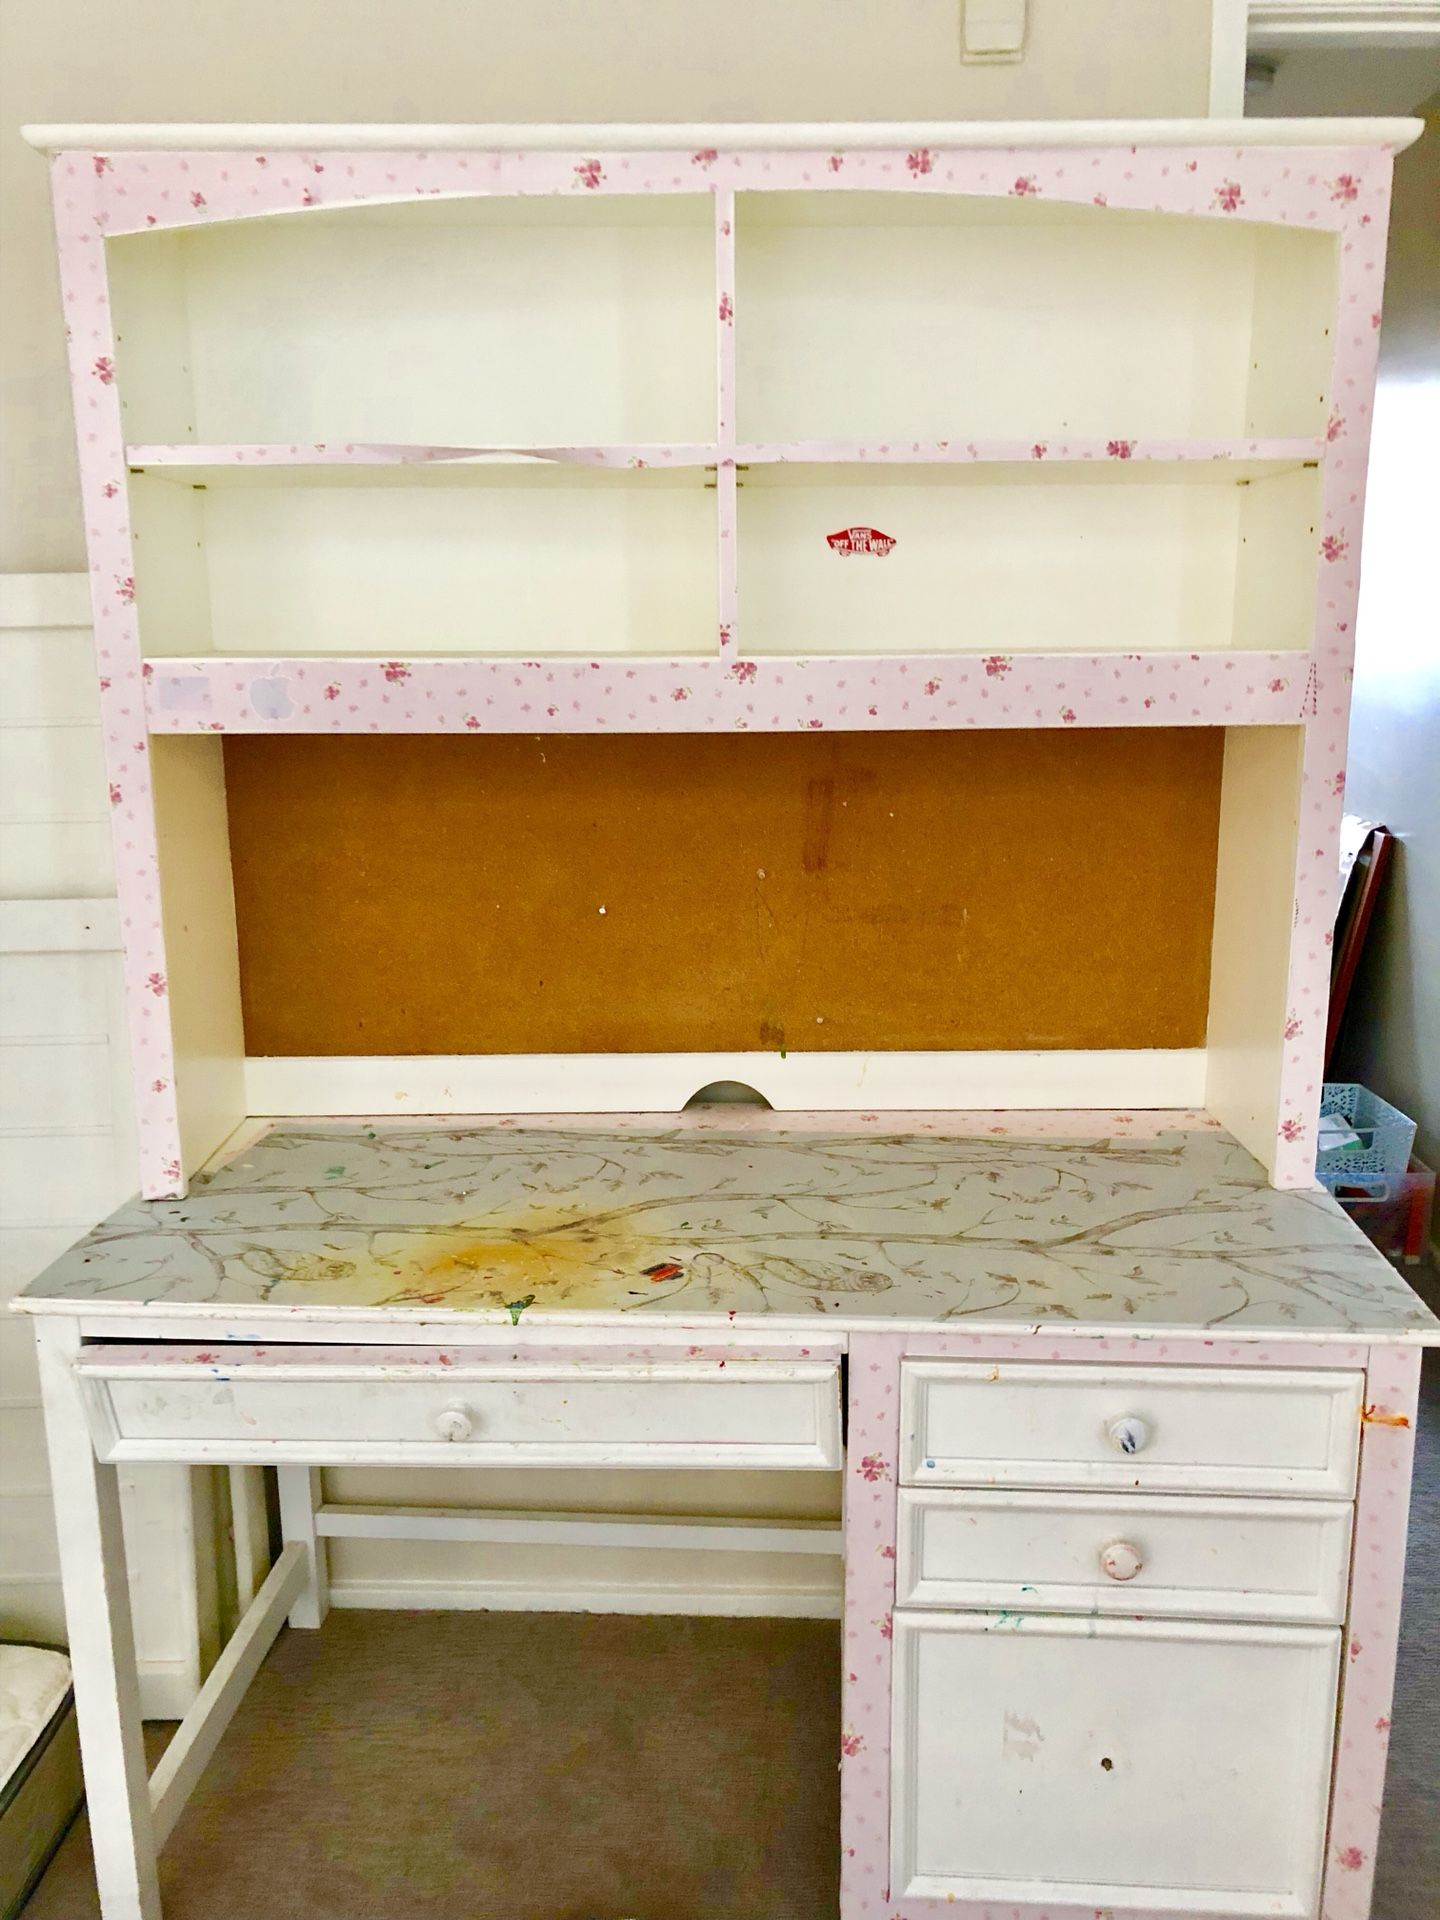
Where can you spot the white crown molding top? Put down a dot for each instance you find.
(1282, 25)
(680, 136)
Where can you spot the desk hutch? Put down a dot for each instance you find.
(863, 612)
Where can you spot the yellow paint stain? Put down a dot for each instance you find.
(555, 1260)
(1382, 1417)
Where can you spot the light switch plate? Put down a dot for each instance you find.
(992, 31)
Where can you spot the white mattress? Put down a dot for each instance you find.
(33, 1682)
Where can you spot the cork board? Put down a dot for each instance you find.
(404, 895)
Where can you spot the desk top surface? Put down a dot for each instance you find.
(744, 1221)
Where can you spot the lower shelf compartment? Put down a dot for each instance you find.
(515, 561)
(1120, 556)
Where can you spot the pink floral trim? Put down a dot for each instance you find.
(446, 695)
(133, 187)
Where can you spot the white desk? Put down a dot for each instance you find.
(1121, 1420)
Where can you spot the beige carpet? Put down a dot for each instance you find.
(493, 1766)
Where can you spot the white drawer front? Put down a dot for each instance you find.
(237, 1405)
(1160, 1429)
(1089, 1764)
(1175, 1555)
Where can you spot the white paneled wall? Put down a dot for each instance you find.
(66, 1150)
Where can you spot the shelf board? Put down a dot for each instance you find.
(696, 694)
(1182, 461)
(362, 463)
(901, 461)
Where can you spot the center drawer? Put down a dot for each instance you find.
(1172, 1555)
(430, 1405)
(1143, 1429)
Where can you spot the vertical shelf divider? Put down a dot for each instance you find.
(726, 485)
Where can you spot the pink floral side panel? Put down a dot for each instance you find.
(1387, 1452)
(872, 1455)
(1364, 196)
(100, 440)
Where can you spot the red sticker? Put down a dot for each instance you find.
(860, 540)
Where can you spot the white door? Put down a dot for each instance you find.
(1154, 1764)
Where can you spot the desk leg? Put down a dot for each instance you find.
(300, 1495)
(102, 1640)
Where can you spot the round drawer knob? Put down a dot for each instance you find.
(1120, 1560)
(454, 1423)
(1130, 1433)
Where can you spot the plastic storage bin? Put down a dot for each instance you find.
(1386, 1136)
(1399, 1225)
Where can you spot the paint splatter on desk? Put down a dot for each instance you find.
(586, 1222)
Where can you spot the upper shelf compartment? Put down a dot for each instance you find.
(530, 321)
(525, 558)
(872, 315)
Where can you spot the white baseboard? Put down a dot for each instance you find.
(167, 1688)
(297, 1087)
(816, 1600)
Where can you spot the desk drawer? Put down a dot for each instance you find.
(1148, 1429)
(1176, 1555)
(428, 1406)
(1062, 1765)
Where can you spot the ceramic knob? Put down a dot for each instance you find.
(1120, 1560)
(1130, 1433)
(454, 1423)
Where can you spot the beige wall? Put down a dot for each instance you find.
(476, 60)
